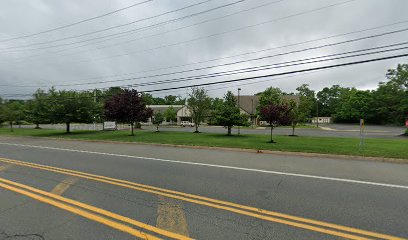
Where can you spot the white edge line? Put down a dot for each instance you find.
(217, 166)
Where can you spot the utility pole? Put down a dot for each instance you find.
(317, 113)
(94, 115)
(239, 107)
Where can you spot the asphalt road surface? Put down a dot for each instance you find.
(325, 130)
(56, 189)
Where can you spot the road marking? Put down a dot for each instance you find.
(82, 213)
(64, 185)
(170, 216)
(214, 203)
(49, 199)
(220, 166)
(5, 167)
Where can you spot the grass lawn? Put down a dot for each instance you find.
(392, 148)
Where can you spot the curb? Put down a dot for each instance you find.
(254, 151)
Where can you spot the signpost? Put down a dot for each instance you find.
(362, 127)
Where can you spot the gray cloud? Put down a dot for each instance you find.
(75, 64)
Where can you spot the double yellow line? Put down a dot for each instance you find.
(87, 211)
(299, 222)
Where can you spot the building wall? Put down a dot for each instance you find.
(183, 114)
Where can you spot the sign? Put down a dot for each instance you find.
(109, 126)
(361, 123)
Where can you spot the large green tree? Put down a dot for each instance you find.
(13, 112)
(329, 100)
(355, 105)
(71, 106)
(270, 96)
(392, 97)
(170, 114)
(307, 101)
(199, 104)
(228, 114)
(37, 109)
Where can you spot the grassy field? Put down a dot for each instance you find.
(392, 148)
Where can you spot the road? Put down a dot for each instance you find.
(325, 130)
(58, 189)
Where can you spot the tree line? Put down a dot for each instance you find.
(387, 104)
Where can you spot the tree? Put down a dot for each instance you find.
(37, 109)
(399, 76)
(228, 114)
(307, 100)
(199, 104)
(148, 98)
(71, 106)
(329, 100)
(157, 120)
(127, 107)
(12, 111)
(270, 96)
(355, 105)
(212, 113)
(301, 111)
(1, 112)
(170, 100)
(170, 114)
(275, 115)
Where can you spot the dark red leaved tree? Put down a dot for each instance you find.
(275, 115)
(127, 107)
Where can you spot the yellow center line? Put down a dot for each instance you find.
(5, 167)
(82, 213)
(170, 216)
(64, 185)
(96, 210)
(214, 203)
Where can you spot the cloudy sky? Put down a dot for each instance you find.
(87, 44)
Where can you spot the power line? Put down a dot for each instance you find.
(144, 37)
(133, 22)
(211, 35)
(76, 23)
(244, 84)
(248, 53)
(267, 67)
(229, 31)
(230, 63)
(270, 66)
(280, 74)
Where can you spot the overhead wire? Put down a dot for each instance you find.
(227, 64)
(245, 53)
(75, 23)
(275, 74)
(139, 20)
(144, 37)
(204, 37)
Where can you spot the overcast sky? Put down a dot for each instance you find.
(155, 45)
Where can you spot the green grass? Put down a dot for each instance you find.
(392, 148)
